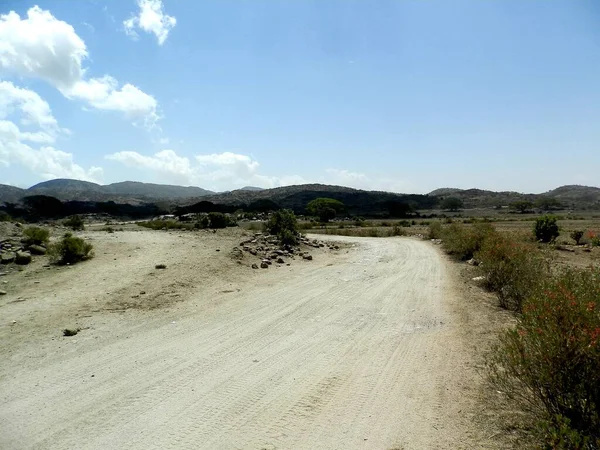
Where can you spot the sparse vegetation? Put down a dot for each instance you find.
(546, 229)
(70, 250)
(513, 270)
(75, 223)
(576, 236)
(435, 230)
(218, 220)
(165, 225)
(462, 242)
(36, 236)
(551, 359)
(5, 217)
(283, 223)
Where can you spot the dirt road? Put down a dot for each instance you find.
(356, 351)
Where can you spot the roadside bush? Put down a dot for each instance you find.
(5, 217)
(164, 225)
(462, 242)
(551, 359)
(75, 223)
(398, 231)
(283, 224)
(36, 235)
(217, 220)
(70, 250)
(513, 270)
(435, 230)
(546, 229)
(202, 223)
(576, 236)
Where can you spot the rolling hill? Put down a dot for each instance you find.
(124, 192)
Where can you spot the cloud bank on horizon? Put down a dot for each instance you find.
(135, 90)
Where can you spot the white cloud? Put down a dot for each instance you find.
(41, 46)
(150, 19)
(216, 171)
(32, 112)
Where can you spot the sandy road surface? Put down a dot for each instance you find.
(358, 351)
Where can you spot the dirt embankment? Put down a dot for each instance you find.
(359, 348)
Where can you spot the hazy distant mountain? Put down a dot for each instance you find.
(575, 193)
(151, 190)
(573, 196)
(10, 194)
(127, 191)
(295, 197)
(251, 188)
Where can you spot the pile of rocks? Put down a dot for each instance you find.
(271, 251)
(13, 251)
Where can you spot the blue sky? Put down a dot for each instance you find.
(405, 96)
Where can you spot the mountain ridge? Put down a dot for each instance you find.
(134, 192)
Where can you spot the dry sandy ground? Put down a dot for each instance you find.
(357, 349)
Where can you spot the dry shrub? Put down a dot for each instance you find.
(551, 359)
(36, 236)
(70, 250)
(512, 269)
(435, 230)
(462, 242)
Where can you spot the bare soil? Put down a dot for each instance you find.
(369, 347)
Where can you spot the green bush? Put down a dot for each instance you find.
(435, 230)
(512, 270)
(551, 359)
(75, 223)
(5, 217)
(217, 220)
(462, 241)
(36, 235)
(545, 229)
(283, 224)
(576, 236)
(165, 225)
(202, 223)
(70, 250)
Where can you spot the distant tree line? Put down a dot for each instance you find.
(42, 207)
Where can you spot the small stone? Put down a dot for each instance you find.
(23, 258)
(307, 257)
(7, 258)
(255, 266)
(280, 261)
(37, 249)
(3, 292)
(264, 265)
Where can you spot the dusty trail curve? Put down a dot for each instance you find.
(359, 353)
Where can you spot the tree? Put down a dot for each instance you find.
(548, 203)
(576, 236)
(546, 229)
(398, 209)
(452, 203)
(263, 205)
(521, 205)
(217, 220)
(325, 208)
